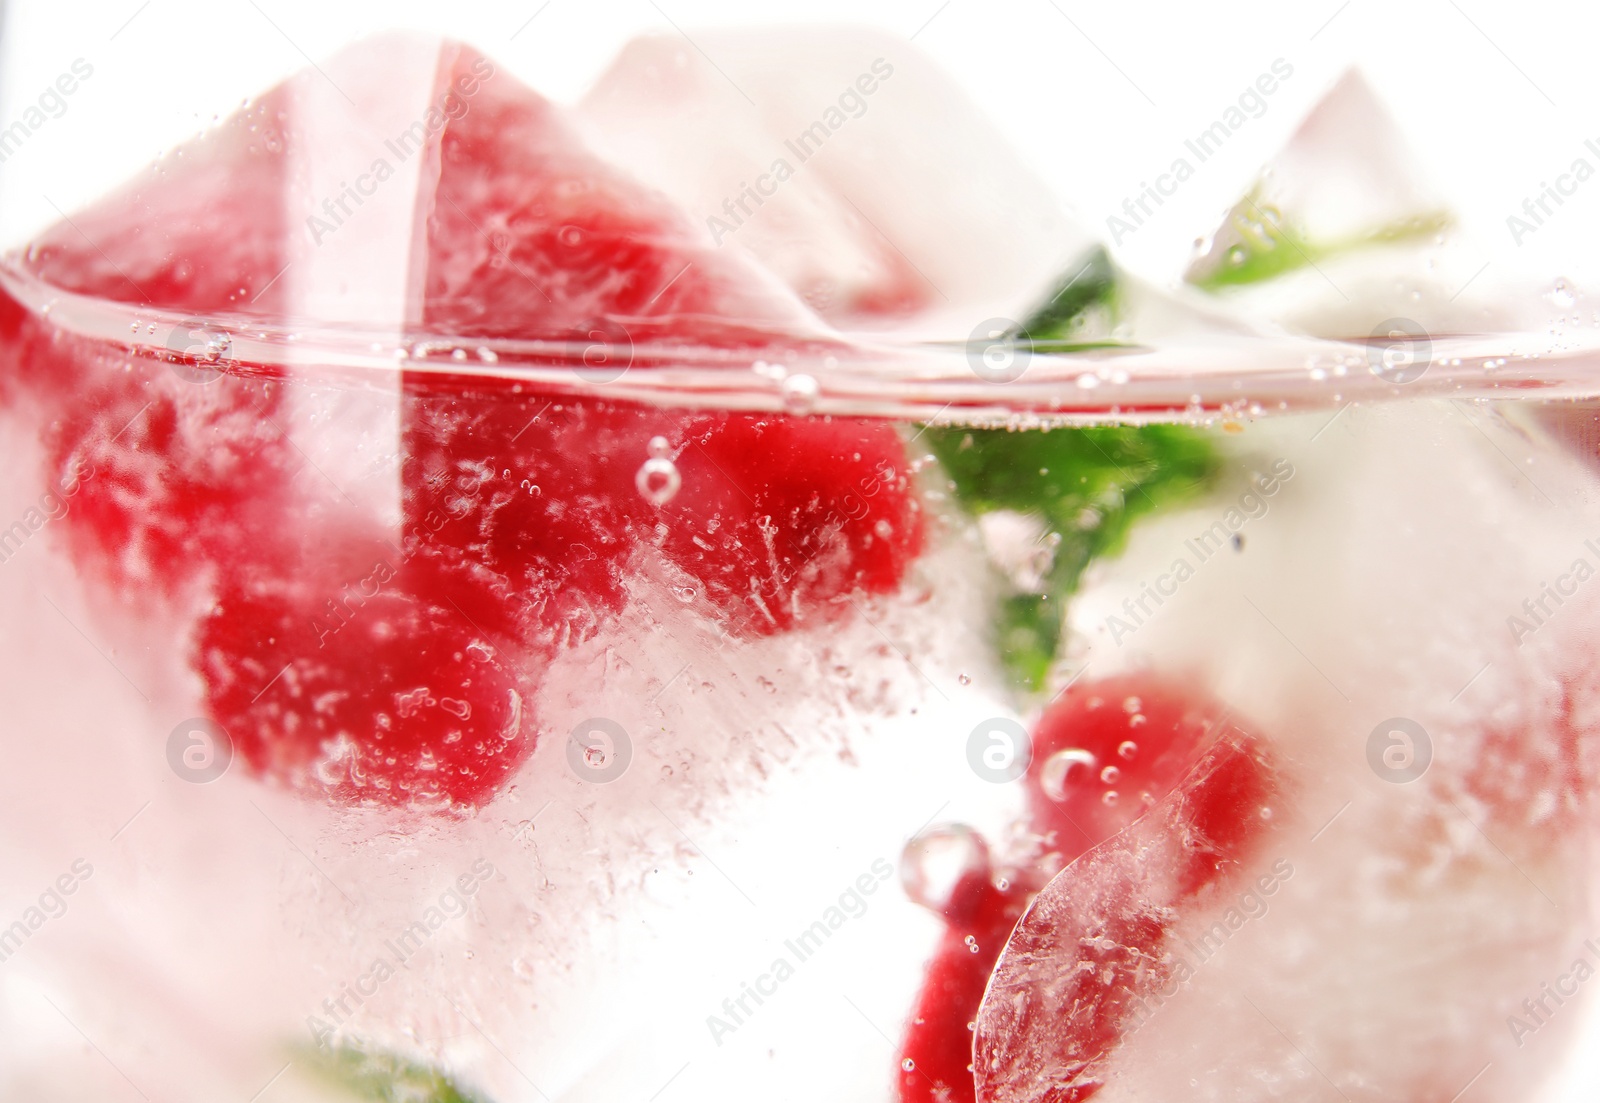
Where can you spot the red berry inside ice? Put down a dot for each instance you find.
(936, 1057)
(1107, 751)
(182, 473)
(530, 235)
(523, 516)
(535, 508)
(176, 480)
(1150, 732)
(362, 689)
(1091, 957)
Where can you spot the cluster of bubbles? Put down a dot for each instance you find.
(1075, 769)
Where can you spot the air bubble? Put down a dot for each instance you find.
(935, 863)
(658, 479)
(1069, 767)
(800, 393)
(1110, 775)
(1109, 797)
(1127, 750)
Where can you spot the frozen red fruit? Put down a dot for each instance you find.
(361, 689)
(781, 520)
(1151, 732)
(1089, 958)
(1107, 751)
(936, 1057)
(516, 531)
(17, 332)
(171, 479)
(181, 472)
(533, 508)
(530, 235)
(203, 230)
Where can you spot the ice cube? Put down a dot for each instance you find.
(1345, 177)
(1422, 909)
(1342, 231)
(526, 233)
(843, 159)
(1092, 957)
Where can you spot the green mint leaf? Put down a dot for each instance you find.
(1269, 246)
(378, 1077)
(1068, 312)
(1027, 632)
(1088, 487)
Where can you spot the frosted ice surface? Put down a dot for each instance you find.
(1420, 915)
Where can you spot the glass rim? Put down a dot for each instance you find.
(856, 374)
